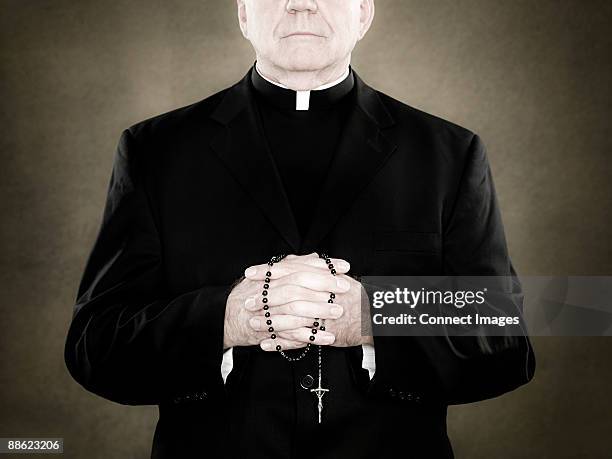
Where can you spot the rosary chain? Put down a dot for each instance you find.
(317, 324)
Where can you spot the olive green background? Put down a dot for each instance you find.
(531, 77)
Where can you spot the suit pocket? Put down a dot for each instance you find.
(407, 241)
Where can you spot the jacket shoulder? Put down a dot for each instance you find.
(427, 127)
(166, 124)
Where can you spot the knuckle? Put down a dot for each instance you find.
(285, 335)
(289, 334)
(295, 307)
(300, 277)
(285, 293)
(275, 272)
(321, 264)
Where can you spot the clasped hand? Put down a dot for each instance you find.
(299, 291)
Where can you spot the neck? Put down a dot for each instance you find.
(302, 80)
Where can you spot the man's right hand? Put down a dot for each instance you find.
(289, 289)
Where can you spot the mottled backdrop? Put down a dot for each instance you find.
(531, 77)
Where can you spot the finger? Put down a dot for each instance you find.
(281, 269)
(250, 303)
(306, 335)
(276, 296)
(340, 265)
(285, 344)
(318, 264)
(310, 255)
(308, 309)
(314, 260)
(279, 322)
(317, 280)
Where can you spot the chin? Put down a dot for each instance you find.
(304, 60)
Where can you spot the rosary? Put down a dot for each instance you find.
(319, 391)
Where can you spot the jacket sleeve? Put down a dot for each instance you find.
(464, 369)
(130, 341)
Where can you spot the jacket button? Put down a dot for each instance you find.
(307, 382)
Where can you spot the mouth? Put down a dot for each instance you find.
(303, 34)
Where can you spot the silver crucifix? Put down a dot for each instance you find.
(319, 392)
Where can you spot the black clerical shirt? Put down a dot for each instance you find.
(303, 142)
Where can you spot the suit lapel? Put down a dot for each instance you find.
(241, 146)
(362, 151)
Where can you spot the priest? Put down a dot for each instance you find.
(225, 283)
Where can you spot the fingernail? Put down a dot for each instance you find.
(343, 265)
(266, 346)
(255, 323)
(249, 303)
(336, 311)
(250, 271)
(343, 284)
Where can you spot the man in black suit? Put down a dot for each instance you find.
(179, 307)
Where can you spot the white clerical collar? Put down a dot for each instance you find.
(302, 98)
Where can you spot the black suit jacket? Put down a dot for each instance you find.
(194, 198)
